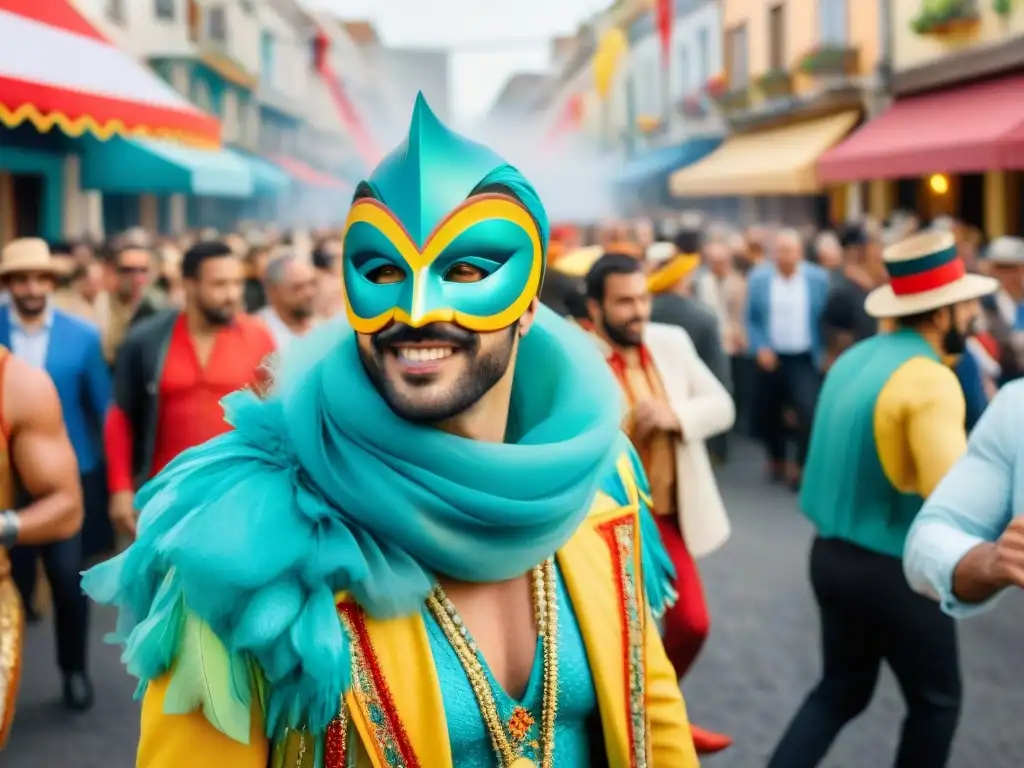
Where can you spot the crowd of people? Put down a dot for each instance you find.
(335, 458)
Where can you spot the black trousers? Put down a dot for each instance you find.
(63, 562)
(870, 614)
(794, 383)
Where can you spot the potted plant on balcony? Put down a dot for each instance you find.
(693, 106)
(717, 85)
(775, 83)
(830, 59)
(943, 17)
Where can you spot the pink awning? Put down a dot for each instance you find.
(968, 129)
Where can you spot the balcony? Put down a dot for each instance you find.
(775, 84)
(831, 60)
(946, 17)
(733, 100)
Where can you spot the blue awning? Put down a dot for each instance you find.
(267, 177)
(148, 166)
(665, 160)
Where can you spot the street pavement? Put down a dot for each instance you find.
(759, 663)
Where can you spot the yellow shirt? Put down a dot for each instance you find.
(919, 425)
(640, 381)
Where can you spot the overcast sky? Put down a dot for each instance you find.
(490, 40)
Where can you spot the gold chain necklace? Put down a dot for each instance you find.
(545, 606)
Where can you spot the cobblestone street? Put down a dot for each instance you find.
(759, 663)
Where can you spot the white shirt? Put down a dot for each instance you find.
(789, 317)
(30, 345)
(283, 335)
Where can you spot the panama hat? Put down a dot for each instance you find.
(28, 254)
(1008, 251)
(925, 273)
(578, 262)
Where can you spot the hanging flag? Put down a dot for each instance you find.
(663, 17)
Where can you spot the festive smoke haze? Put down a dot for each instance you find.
(573, 180)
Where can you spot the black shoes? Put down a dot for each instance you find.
(78, 693)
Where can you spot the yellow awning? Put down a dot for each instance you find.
(780, 161)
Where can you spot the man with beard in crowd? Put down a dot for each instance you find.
(68, 349)
(889, 427)
(131, 301)
(173, 370)
(675, 403)
(290, 283)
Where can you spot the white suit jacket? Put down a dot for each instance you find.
(704, 409)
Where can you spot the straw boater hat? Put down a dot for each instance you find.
(28, 254)
(925, 273)
(578, 262)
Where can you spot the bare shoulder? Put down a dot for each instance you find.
(29, 398)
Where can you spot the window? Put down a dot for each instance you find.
(736, 62)
(164, 10)
(217, 24)
(832, 26)
(267, 63)
(194, 20)
(777, 37)
(703, 57)
(117, 11)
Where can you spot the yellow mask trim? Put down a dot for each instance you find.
(476, 210)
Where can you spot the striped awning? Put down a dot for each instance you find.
(56, 69)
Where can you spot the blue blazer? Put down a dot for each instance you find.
(759, 305)
(74, 360)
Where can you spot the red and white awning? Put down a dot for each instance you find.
(57, 69)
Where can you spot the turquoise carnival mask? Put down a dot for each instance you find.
(444, 230)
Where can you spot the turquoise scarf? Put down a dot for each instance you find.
(321, 489)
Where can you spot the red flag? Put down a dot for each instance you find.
(568, 120)
(663, 15)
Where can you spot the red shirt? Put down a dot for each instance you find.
(190, 412)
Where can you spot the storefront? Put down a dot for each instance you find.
(58, 71)
(957, 151)
(773, 170)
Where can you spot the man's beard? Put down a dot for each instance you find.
(29, 307)
(298, 314)
(954, 342)
(217, 316)
(482, 371)
(621, 336)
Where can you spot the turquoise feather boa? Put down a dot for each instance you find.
(321, 489)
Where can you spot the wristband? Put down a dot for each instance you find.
(10, 523)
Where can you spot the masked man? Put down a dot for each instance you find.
(426, 546)
(889, 426)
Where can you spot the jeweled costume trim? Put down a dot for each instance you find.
(620, 536)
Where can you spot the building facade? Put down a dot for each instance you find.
(951, 143)
(797, 76)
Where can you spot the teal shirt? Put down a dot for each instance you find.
(578, 720)
(845, 492)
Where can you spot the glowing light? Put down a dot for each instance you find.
(938, 183)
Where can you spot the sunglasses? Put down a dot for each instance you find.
(133, 270)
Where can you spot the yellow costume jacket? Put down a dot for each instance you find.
(394, 716)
